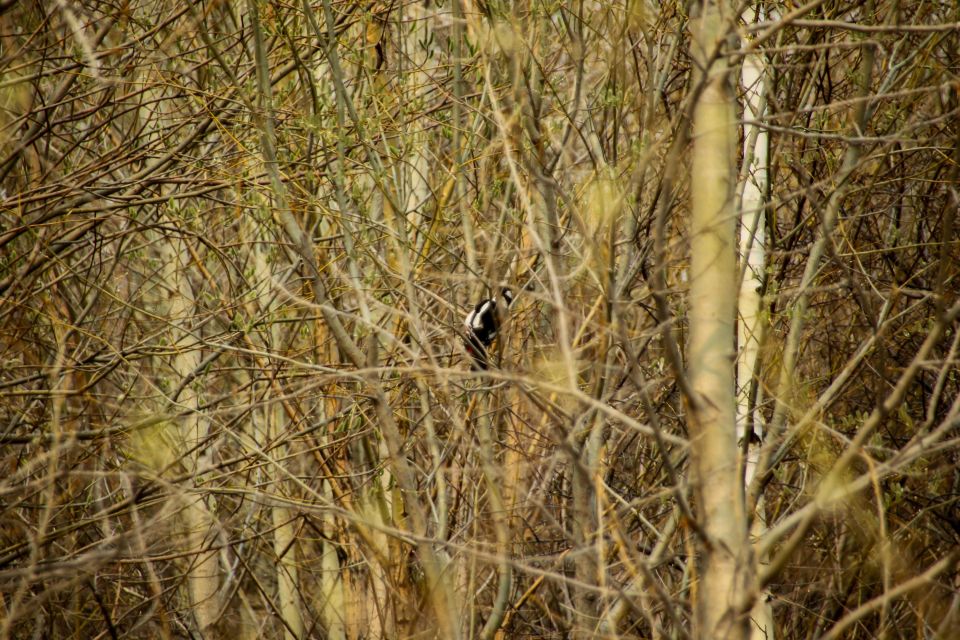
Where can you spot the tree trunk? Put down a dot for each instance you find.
(750, 325)
(710, 352)
(203, 578)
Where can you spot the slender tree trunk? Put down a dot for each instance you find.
(333, 605)
(710, 352)
(288, 588)
(285, 544)
(750, 324)
(203, 578)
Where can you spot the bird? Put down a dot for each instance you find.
(482, 324)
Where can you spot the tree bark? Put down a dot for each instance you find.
(710, 351)
(750, 325)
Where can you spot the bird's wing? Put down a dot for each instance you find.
(478, 318)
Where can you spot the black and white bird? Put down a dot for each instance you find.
(482, 325)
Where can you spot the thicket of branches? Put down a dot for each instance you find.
(237, 241)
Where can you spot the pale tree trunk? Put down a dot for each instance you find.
(284, 528)
(284, 541)
(203, 579)
(750, 325)
(333, 598)
(710, 351)
(175, 304)
(285, 547)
